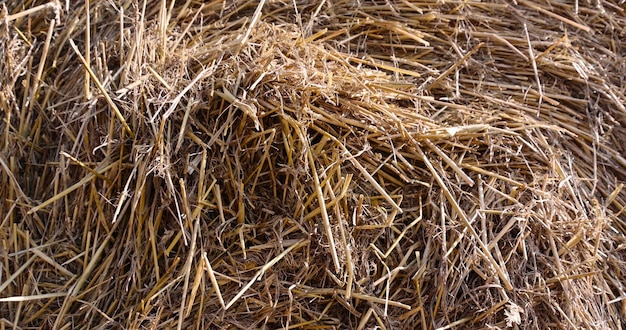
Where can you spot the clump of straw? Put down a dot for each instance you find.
(233, 164)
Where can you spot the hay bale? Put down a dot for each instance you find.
(322, 164)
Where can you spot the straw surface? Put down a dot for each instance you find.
(313, 164)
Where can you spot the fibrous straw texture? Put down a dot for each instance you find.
(313, 164)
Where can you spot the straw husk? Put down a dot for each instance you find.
(325, 164)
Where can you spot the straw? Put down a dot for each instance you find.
(324, 164)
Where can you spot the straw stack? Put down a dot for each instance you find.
(313, 164)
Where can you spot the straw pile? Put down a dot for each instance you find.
(313, 164)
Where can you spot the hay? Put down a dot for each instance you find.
(327, 164)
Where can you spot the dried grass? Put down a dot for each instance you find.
(325, 164)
